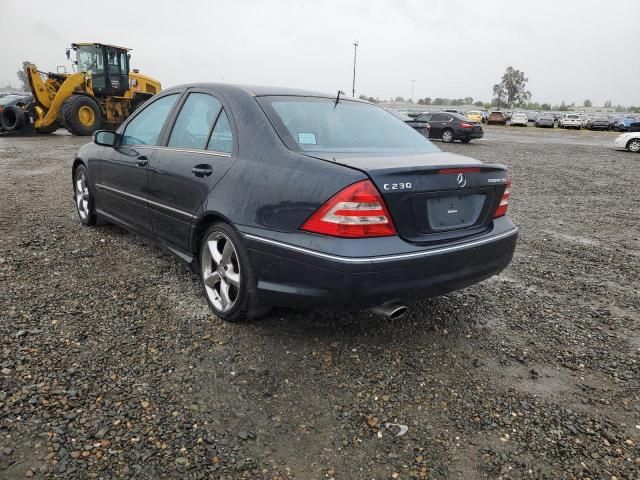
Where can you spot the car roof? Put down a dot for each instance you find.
(261, 90)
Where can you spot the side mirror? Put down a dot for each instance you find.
(106, 138)
(68, 54)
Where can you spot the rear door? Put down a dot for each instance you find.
(195, 154)
(122, 191)
(438, 123)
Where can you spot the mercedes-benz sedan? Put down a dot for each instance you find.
(297, 199)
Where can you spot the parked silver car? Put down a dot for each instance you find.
(545, 120)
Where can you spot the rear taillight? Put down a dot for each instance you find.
(466, 125)
(501, 211)
(358, 211)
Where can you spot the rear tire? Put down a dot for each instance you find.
(228, 281)
(81, 115)
(12, 118)
(447, 135)
(634, 145)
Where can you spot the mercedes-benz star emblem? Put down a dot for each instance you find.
(462, 181)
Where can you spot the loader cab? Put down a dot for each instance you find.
(109, 66)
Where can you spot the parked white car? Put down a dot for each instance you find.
(519, 119)
(628, 141)
(572, 120)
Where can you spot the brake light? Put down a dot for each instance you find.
(358, 211)
(466, 125)
(501, 211)
(449, 171)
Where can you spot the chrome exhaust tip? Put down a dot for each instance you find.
(392, 310)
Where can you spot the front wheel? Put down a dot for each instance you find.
(447, 135)
(83, 197)
(81, 115)
(634, 145)
(228, 281)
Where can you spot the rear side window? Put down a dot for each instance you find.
(221, 138)
(194, 122)
(145, 128)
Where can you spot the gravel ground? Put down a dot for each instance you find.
(113, 367)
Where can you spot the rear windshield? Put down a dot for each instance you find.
(572, 116)
(315, 124)
(9, 99)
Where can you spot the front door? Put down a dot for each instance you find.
(122, 192)
(197, 154)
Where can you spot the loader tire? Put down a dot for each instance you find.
(81, 115)
(49, 128)
(12, 118)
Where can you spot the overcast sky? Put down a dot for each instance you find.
(570, 49)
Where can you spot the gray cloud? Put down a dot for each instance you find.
(570, 50)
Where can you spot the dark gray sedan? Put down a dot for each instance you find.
(297, 199)
(598, 123)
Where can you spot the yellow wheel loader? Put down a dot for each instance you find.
(102, 94)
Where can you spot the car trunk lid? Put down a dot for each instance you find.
(432, 197)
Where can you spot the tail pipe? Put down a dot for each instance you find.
(391, 310)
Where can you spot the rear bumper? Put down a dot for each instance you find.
(462, 134)
(294, 276)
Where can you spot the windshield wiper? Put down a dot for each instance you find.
(338, 98)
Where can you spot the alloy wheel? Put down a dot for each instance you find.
(221, 271)
(82, 196)
(634, 146)
(447, 136)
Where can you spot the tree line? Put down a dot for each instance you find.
(510, 92)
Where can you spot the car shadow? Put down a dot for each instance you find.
(450, 314)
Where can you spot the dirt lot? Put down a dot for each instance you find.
(113, 367)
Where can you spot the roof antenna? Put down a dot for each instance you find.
(338, 98)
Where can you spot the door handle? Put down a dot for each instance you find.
(142, 161)
(202, 170)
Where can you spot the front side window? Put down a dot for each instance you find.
(194, 122)
(321, 124)
(145, 128)
(89, 59)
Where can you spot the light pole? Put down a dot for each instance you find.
(413, 84)
(355, 52)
